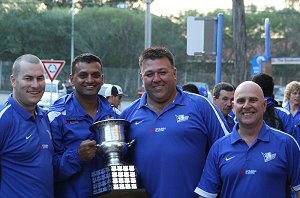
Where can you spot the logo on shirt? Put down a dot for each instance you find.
(247, 172)
(158, 130)
(27, 137)
(72, 121)
(229, 158)
(268, 156)
(137, 123)
(181, 118)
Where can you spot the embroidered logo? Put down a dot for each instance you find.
(247, 172)
(181, 118)
(157, 130)
(27, 137)
(229, 158)
(137, 123)
(268, 156)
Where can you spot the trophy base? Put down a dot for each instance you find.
(133, 193)
(114, 179)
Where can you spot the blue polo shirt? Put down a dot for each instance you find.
(70, 126)
(270, 167)
(171, 148)
(25, 152)
(296, 121)
(230, 121)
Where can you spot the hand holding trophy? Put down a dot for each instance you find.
(116, 177)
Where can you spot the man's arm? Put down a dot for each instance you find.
(298, 193)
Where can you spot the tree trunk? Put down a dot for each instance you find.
(239, 41)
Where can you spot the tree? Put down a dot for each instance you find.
(239, 41)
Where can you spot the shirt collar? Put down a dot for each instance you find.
(21, 111)
(264, 134)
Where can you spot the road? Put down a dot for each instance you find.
(4, 95)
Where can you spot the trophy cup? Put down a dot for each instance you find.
(116, 179)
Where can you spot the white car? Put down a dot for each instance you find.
(53, 91)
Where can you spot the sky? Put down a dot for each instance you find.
(168, 7)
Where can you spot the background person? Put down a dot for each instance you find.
(114, 95)
(223, 93)
(255, 160)
(70, 118)
(173, 129)
(292, 97)
(25, 141)
(190, 88)
(275, 116)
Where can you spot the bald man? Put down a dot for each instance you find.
(254, 160)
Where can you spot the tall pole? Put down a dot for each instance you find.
(219, 49)
(267, 40)
(72, 37)
(148, 25)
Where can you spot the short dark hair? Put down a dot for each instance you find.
(222, 86)
(86, 58)
(265, 82)
(155, 53)
(190, 88)
(27, 58)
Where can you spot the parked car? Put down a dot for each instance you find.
(53, 91)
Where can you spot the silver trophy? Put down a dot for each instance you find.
(116, 175)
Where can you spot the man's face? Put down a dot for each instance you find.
(224, 102)
(87, 78)
(159, 78)
(115, 100)
(29, 84)
(249, 106)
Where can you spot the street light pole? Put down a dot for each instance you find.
(72, 37)
(148, 25)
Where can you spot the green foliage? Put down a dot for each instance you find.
(117, 35)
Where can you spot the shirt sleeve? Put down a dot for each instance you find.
(210, 182)
(293, 152)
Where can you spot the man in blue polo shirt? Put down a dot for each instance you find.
(70, 117)
(25, 141)
(255, 160)
(173, 129)
(223, 97)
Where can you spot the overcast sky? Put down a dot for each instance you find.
(168, 7)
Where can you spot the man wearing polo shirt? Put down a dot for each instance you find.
(255, 160)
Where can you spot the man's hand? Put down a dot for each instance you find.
(87, 150)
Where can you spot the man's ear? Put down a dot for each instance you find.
(12, 80)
